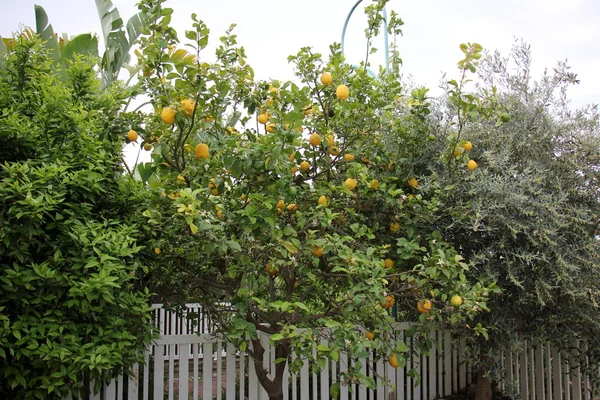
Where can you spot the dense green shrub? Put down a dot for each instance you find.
(72, 310)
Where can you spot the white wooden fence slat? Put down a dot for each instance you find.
(343, 368)
(400, 372)
(304, 374)
(133, 382)
(196, 350)
(380, 374)
(110, 390)
(324, 376)
(294, 381)
(548, 360)
(171, 382)
(146, 387)
(219, 369)
(184, 352)
(447, 356)
(252, 379)
(315, 388)
(432, 367)
(264, 340)
(94, 396)
(456, 362)
(416, 365)
(334, 372)
(231, 373)
(509, 371)
(566, 379)
(576, 378)
(159, 372)
(286, 380)
(539, 372)
(243, 368)
(523, 370)
(207, 378)
(120, 387)
(557, 388)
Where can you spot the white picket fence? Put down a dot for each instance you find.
(187, 364)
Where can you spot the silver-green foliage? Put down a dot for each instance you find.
(528, 216)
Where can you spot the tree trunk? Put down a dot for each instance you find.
(273, 387)
(483, 388)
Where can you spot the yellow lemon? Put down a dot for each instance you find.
(389, 302)
(348, 157)
(201, 150)
(388, 263)
(188, 107)
(413, 183)
(342, 92)
(456, 300)
(330, 139)
(305, 166)
(468, 146)
(132, 135)
(315, 139)
(423, 306)
(322, 200)
(263, 119)
(374, 184)
(351, 183)
(317, 251)
(168, 115)
(472, 165)
(326, 78)
(280, 204)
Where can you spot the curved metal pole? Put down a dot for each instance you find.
(385, 37)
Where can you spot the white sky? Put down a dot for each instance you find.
(270, 30)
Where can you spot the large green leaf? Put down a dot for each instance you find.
(44, 29)
(85, 44)
(118, 45)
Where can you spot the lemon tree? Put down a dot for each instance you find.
(294, 218)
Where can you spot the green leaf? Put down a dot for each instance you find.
(44, 29)
(334, 390)
(85, 44)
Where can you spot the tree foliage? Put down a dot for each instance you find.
(72, 309)
(528, 217)
(278, 203)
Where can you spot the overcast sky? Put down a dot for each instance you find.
(270, 30)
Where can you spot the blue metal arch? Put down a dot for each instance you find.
(385, 39)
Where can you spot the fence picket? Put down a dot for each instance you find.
(207, 352)
(539, 372)
(432, 367)
(159, 372)
(557, 389)
(230, 373)
(576, 378)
